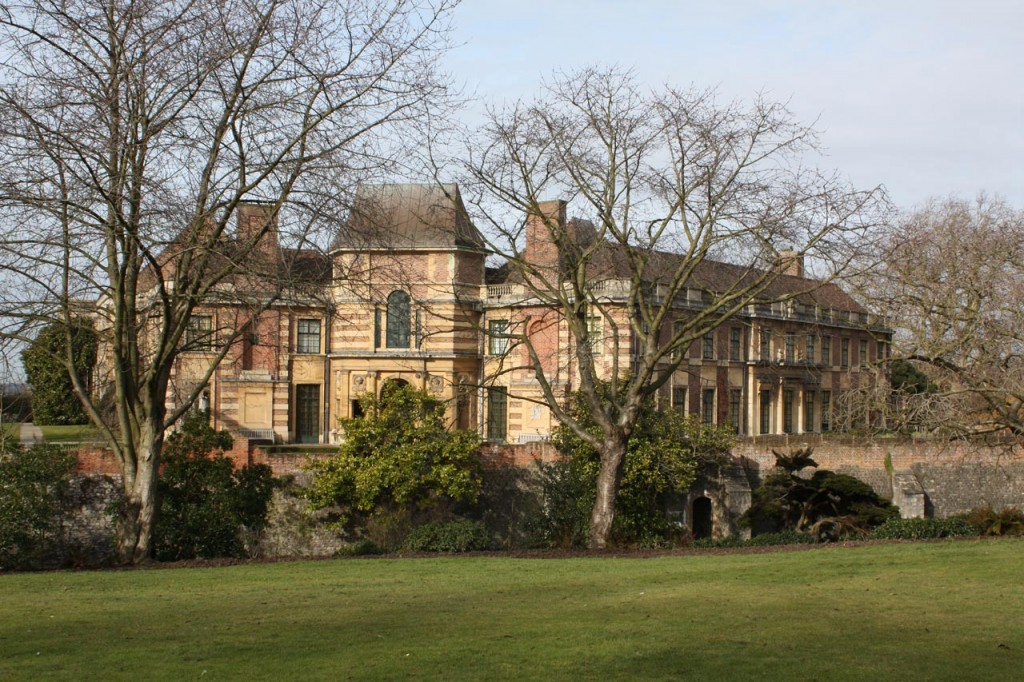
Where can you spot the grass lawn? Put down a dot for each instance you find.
(69, 434)
(12, 430)
(935, 611)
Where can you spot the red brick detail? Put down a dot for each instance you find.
(519, 455)
(541, 250)
(93, 461)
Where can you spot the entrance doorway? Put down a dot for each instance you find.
(702, 524)
(307, 413)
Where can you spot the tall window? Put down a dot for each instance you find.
(810, 348)
(497, 414)
(308, 337)
(844, 353)
(677, 328)
(708, 346)
(398, 320)
(863, 353)
(826, 410)
(594, 329)
(679, 399)
(765, 407)
(376, 327)
(735, 338)
(199, 332)
(735, 398)
(497, 337)
(790, 348)
(707, 406)
(826, 350)
(787, 411)
(808, 411)
(766, 344)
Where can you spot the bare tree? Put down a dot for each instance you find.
(132, 132)
(683, 195)
(951, 280)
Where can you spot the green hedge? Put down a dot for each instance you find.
(449, 536)
(923, 529)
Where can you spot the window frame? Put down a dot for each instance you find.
(764, 408)
(735, 408)
(788, 410)
(735, 344)
(826, 411)
(595, 334)
(707, 351)
(497, 339)
(399, 320)
(497, 424)
(679, 398)
(707, 406)
(302, 336)
(198, 336)
(809, 411)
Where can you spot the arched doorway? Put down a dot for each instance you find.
(702, 523)
(389, 386)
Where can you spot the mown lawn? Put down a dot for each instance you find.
(69, 434)
(12, 430)
(936, 611)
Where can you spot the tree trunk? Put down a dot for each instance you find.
(138, 512)
(613, 455)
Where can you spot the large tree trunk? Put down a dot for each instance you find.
(139, 509)
(613, 455)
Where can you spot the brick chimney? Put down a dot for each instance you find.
(253, 218)
(790, 262)
(541, 249)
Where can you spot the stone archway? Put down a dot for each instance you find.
(702, 524)
(391, 385)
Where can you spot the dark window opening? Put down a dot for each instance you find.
(766, 411)
(398, 320)
(497, 414)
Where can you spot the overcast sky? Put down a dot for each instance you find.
(925, 97)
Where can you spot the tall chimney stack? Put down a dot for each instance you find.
(543, 227)
(790, 262)
(253, 219)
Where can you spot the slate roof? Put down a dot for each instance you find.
(612, 262)
(408, 216)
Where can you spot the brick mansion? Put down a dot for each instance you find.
(406, 295)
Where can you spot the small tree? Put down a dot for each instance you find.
(400, 458)
(664, 455)
(33, 483)
(54, 400)
(206, 504)
(825, 504)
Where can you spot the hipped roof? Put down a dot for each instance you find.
(408, 216)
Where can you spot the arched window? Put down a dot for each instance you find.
(398, 320)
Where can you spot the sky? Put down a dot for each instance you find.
(924, 97)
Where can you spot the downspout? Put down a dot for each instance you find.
(325, 387)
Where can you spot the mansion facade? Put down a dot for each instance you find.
(405, 296)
